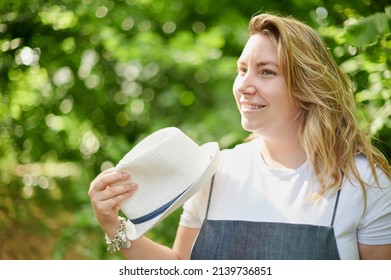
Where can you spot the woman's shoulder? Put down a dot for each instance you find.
(241, 149)
(366, 172)
(238, 159)
(377, 188)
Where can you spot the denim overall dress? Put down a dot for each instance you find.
(246, 240)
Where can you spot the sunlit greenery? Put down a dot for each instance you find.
(82, 81)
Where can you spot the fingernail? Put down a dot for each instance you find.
(125, 175)
(133, 185)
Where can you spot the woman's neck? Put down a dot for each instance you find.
(285, 153)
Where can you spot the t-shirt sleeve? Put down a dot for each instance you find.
(374, 227)
(194, 209)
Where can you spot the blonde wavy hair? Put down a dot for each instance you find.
(329, 131)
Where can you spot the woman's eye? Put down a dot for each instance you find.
(267, 72)
(242, 71)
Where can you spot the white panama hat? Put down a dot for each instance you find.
(169, 168)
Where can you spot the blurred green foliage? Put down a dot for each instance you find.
(82, 81)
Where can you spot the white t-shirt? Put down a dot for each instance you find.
(245, 188)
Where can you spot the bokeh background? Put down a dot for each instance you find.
(81, 82)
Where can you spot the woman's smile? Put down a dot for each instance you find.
(249, 107)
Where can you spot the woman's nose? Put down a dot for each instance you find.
(245, 85)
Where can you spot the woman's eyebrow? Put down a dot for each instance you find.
(259, 63)
(267, 62)
(240, 62)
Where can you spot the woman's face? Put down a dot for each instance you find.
(261, 92)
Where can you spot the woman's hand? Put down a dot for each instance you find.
(106, 192)
(105, 198)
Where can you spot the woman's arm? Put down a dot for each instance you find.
(146, 249)
(184, 241)
(375, 252)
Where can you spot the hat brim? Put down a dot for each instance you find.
(135, 231)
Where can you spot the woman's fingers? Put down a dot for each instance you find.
(109, 189)
(115, 192)
(106, 202)
(107, 206)
(107, 178)
(110, 185)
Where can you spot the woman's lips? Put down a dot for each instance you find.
(252, 107)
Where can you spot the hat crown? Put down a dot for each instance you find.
(164, 165)
(165, 152)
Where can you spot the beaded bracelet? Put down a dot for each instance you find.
(119, 240)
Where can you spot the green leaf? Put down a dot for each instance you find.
(388, 11)
(367, 31)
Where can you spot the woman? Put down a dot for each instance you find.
(307, 185)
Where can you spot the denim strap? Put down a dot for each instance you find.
(210, 195)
